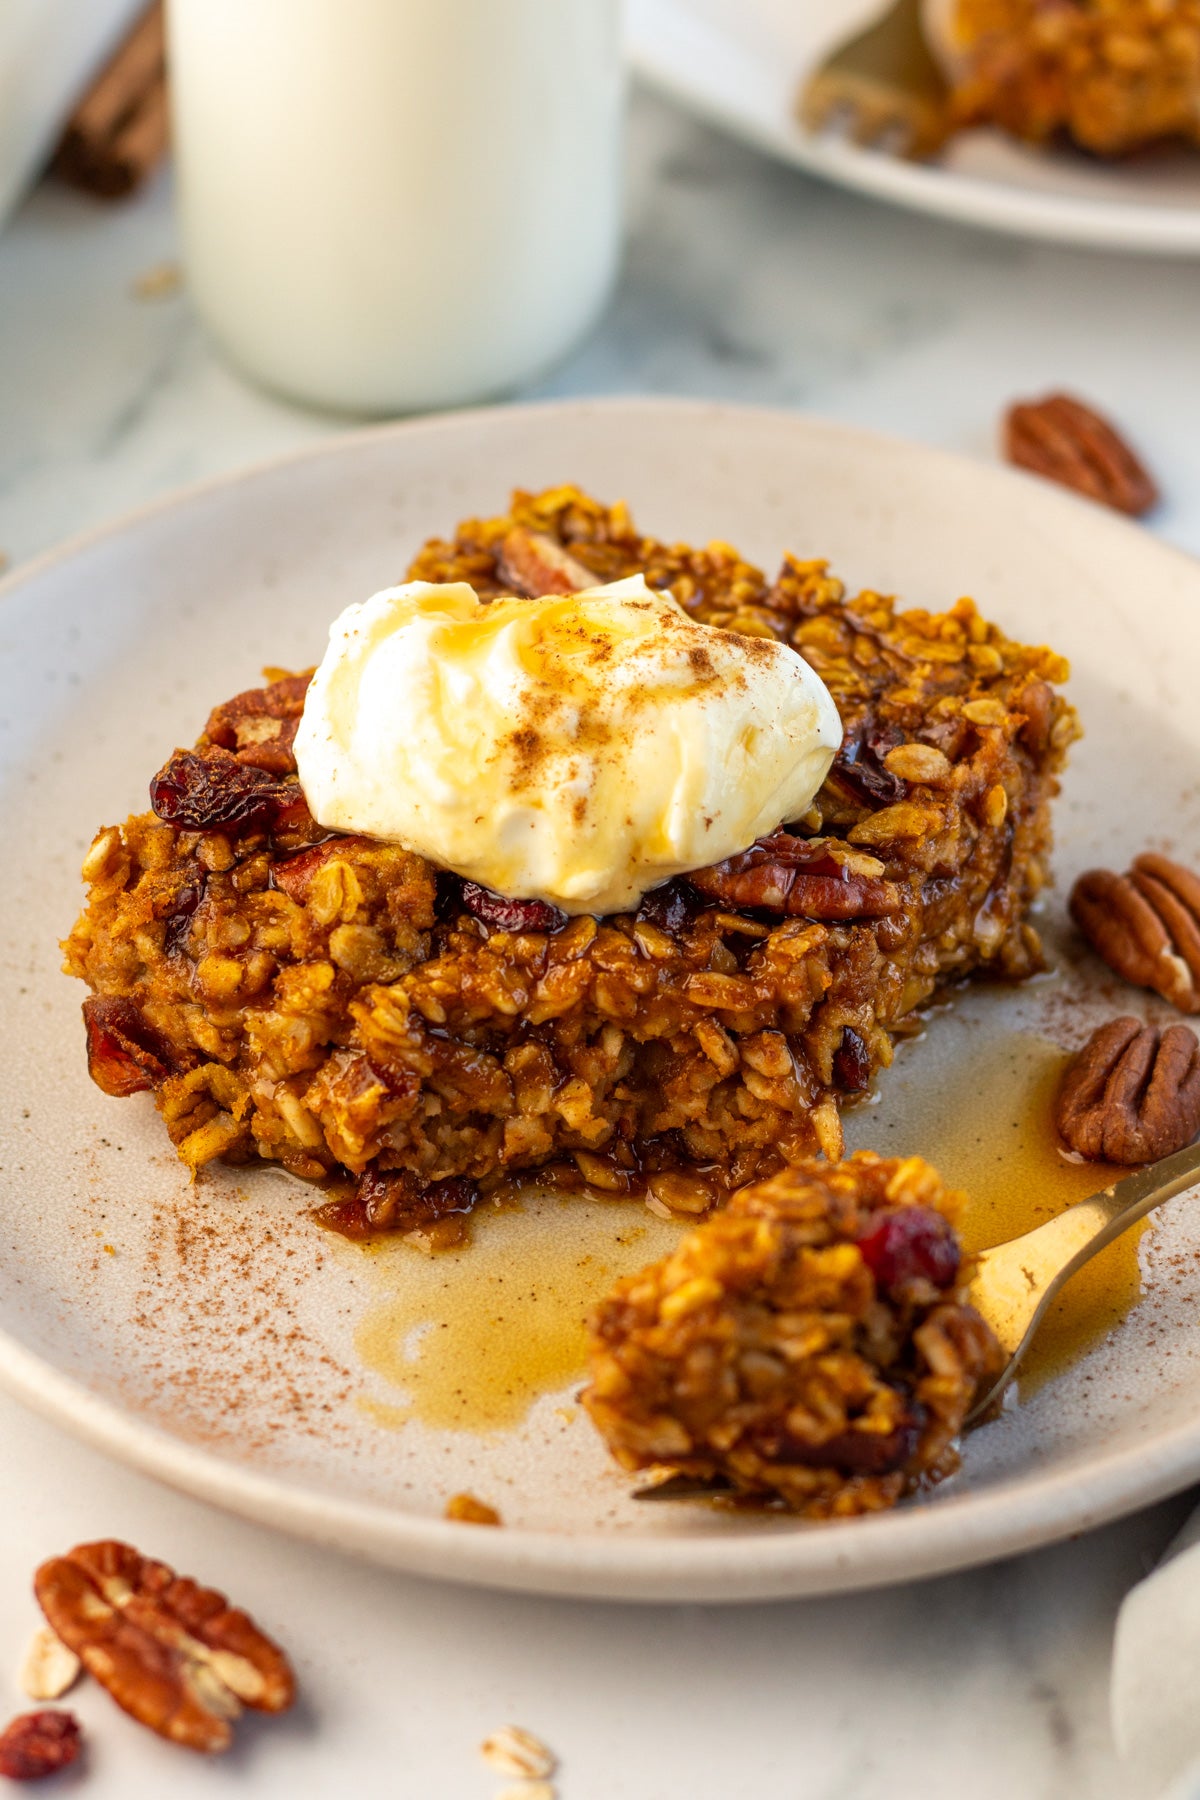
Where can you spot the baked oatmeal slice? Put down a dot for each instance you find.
(345, 1008)
(811, 1343)
(1113, 75)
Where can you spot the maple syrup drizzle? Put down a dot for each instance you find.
(467, 1340)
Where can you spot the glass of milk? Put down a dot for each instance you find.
(391, 205)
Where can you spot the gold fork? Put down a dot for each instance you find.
(883, 89)
(1015, 1284)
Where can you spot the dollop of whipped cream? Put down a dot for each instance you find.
(578, 749)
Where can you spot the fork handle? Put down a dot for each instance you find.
(1090, 1224)
(1017, 1281)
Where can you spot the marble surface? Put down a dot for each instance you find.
(744, 281)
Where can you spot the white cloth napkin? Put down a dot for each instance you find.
(1155, 1692)
(48, 50)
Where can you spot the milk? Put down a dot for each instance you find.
(390, 205)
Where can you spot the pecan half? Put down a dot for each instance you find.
(532, 564)
(260, 725)
(125, 1054)
(176, 1656)
(799, 878)
(1067, 442)
(1146, 925)
(38, 1744)
(1132, 1094)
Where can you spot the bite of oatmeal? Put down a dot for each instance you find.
(811, 1344)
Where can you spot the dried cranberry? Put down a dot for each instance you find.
(178, 921)
(125, 1054)
(510, 915)
(203, 793)
(849, 1452)
(670, 907)
(38, 1744)
(851, 1063)
(859, 764)
(914, 1243)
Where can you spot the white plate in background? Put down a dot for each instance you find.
(734, 62)
(207, 1334)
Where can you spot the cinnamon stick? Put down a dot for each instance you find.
(117, 134)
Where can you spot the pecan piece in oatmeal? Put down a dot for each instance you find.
(1146, 925)
(1132, 1094)
(533, 564)
(259, 726)
(800, 877)
(294, 875)
(810, 1343)
(1067, 442)
(174, 1655)
(38, 1744)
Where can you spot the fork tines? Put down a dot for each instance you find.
(883, 89)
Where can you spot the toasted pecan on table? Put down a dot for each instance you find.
(1133, 1093)
(174, 1655)
(38, 1744)
(1146, 925)
(1064, 440)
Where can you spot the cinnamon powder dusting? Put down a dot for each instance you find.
(223, 1351)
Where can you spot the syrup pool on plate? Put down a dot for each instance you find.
(979, 1105)
(468, 1339)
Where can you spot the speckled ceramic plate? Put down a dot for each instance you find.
(214, 1336)
(736, 63)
